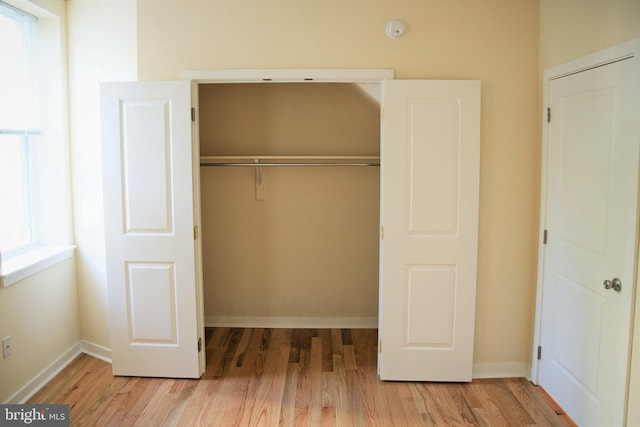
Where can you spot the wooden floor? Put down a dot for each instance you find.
(299, 377)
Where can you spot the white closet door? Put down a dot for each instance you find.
(149, 225)
(430, 172)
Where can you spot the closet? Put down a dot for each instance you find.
(293, 242)
(254, 198)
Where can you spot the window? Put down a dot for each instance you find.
(19, 131)
(35, 194)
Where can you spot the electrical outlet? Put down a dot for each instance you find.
(6, 347)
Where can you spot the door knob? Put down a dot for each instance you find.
(616, 284)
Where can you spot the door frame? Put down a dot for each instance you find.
(628, 50)
(371, 80)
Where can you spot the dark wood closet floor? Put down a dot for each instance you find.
(291, 377)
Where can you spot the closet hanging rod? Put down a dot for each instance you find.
(298, 164)
(253, 161)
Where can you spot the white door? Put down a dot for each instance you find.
(430, 159)
(149, 226)
(591, 221)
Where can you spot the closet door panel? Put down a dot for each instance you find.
(145, 143)
(149, 223)
(429, 179)
(433, 186)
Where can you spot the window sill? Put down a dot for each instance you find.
(22, 266)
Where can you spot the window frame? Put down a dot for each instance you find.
(27, 25)
(52, 227)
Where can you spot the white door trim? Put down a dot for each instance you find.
(369, 80)
(626, 50)
(300, 75)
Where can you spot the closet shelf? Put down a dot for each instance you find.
(254, 161)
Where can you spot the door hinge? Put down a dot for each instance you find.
(548, 115)
(380, 346)
(544, 237)
(195, 232)
(539, 352)
(382, 233)
(199, 344)
(193, 114)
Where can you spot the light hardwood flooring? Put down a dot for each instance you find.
(291, 377)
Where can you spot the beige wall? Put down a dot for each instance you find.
(310, 247)
(41, 315)
(495, 41)
(102, 47)
(572, 29)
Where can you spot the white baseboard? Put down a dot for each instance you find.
(292, 322)
(500, 370)
(97, 351)
(44, 376)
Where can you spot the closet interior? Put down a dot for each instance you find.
(290, 202)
